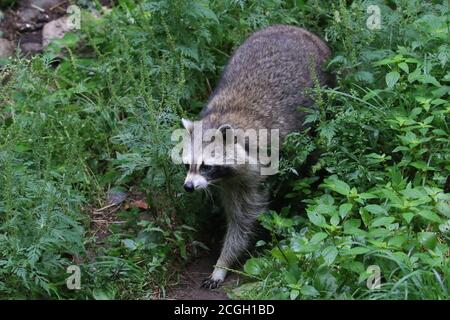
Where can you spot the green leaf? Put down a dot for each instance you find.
(129, 244)
(382, 221)
(392, 78)
(364, 76)
(301, 244)
(285, 255)
(339, 186)
(416, 193)
(404, 66)
(200, 9)
(428, 79)
(317, 219)
(358, 250)
(282, 222)
(292, 275)
(318, 237)
(334, 220)
(243, 289)
(351, 227)
(375, 209)
(443, 208)
(408, 216)
(384, 61)
(430, 215)
(309, 291)
(354, 266)
(428, 239)
(344, 209)
(325, 209)
(367, 195)
(365, 216)
(253, 266)
(329, 254)
(397, 241)
(101, 294)
(294, 294)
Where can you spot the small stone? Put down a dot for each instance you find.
(31, 47)
(55, 30)
(116, 196)
(28, 14)
(43, 17)
(26, 27)
(6, 48)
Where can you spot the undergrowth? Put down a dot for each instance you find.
(377, 227)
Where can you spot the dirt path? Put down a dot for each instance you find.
(189, 286)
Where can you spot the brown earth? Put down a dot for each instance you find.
(189, 286)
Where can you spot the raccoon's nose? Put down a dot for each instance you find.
(189, 186)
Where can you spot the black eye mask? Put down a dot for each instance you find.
(215, 172)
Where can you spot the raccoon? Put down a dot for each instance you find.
(262, 87)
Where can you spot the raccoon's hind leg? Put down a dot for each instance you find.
(242, 207)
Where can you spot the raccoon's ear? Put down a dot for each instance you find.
(188, 124)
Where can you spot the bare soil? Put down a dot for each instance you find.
(189, 286)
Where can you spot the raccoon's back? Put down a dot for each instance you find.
(261, 86)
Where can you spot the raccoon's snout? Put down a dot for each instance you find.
(195, 181)
(189, 186)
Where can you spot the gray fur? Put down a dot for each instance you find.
(262, 86)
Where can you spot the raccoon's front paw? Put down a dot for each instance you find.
(216, 278)
(211, 283)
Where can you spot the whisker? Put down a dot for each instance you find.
(208, 192)
(211, 183)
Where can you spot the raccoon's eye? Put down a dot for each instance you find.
(187, 165)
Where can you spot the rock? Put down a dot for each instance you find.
(30, 19)
(6, 48)
(55, 30)
(26, 27)
(31, 47)
(32, 15)
(34, 37)
(115, 196)
(29, 15)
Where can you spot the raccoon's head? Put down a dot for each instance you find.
(204, 168)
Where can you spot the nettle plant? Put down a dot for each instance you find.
(384, 143)
(403, 230)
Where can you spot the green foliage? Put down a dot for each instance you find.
(384, 140)
(4, 4)
(345, 232)
(39, 230)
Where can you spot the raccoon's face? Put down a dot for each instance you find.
(200, 176)
(202, 170)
